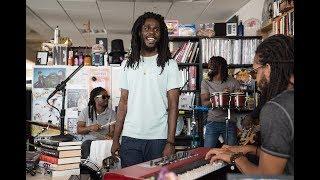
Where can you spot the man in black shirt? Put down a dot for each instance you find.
(273, 64)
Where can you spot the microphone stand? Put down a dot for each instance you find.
(62, 87)
(227, 120)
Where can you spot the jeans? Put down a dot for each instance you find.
(134, 151)
(215, 129)
(85, 149)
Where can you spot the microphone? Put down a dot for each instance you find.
(58, 88)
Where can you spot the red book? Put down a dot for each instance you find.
(55, 160)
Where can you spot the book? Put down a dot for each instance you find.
(58, 167)
(60, 147)
(191, 60)
(59, 143)
(64, 173)
(60, 154)
(55, 160)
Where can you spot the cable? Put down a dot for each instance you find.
(52, 106)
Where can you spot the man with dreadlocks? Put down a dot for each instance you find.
(93, 117)
(219, 81)
(148, 106)
(273, 64)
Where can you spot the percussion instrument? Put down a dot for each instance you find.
(89, 167)
(43, 124)
(220, 99)
(186, 164)
(238, 100)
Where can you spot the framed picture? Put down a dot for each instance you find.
(231, 29)
(42, 57)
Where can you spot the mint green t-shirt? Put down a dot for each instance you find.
(147, 113)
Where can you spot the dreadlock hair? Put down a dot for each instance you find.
(162, 46)
(91, 104)
(219, 63)
(278, 51)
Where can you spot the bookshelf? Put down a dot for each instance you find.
(185, 50)
(283, 23)
(200, 65)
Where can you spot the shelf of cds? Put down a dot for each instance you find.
(235, 51)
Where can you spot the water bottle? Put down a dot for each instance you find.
(240, 29)
(56, 35)
(80, 58)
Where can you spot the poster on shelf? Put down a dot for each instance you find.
(77, 92)
(47, 77)
(77, 99)
(99, 77)
(42, 111)
(115, 88)
(71, 119)
(72, 125)
(79, 80)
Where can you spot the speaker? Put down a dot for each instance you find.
(220, 29)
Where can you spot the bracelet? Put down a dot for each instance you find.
(234, 156)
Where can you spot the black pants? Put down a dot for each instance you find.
(85, 149)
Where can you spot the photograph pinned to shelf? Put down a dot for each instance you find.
(42, 58)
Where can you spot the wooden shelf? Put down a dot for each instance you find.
(287, 9)
(267, 27)
(266, 30)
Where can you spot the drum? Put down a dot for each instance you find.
(238, 100)
(89, 167)
(220, 99)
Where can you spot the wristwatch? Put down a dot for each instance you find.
(234, 156)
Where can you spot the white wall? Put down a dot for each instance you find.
(29, 69)
(253, 9)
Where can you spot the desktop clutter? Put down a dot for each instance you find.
(63, 159)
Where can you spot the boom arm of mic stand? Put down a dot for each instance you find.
(63, 84)
(64, 137)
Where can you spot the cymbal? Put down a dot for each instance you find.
(43, 124)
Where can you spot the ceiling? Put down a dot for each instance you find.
(116, 17)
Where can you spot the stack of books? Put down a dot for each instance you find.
(60, 158)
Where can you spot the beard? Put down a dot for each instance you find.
(147, 48)
(263, 86)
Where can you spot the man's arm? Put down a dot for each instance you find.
(81, 128)
(173, 100)
(121, 114)
(268, 165)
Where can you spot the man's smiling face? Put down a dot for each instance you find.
(150, 34)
